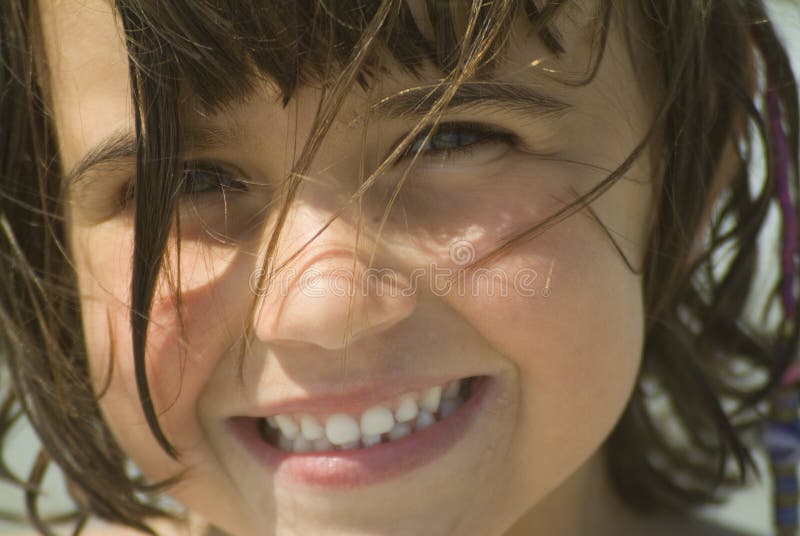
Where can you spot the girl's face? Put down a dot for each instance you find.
(553, 329)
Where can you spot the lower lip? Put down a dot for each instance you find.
(365, 466)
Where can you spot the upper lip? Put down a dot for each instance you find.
(346, 398)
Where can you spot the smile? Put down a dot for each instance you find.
(406, 414)
(362, 447)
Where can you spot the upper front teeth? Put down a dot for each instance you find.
(431, 399)
(311, 428)
(288, 426)
(407, 408)
(393, 420)
(341, 429)
(376, 421)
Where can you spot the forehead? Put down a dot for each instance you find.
(88, 68)
(87, 72)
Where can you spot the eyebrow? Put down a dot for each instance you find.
(121, 145)
(412, 103)
(118, 146)
(417, 101)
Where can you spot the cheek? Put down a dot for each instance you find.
(574, 334)
(180, 356)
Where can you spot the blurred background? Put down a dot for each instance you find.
(749, 509)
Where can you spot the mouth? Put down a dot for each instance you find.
(409, 413)
(367, 445)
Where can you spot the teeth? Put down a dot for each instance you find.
(285, 443)
(408, 413)
(301, 444)
(322, 445)
(448, 406)
(431, 398)
(341, 428)
(311, 429)
(406, 408)
(376, 421)
(400, 429)
(288, 426)
(452, 388)
(424, 420)
(369, 440)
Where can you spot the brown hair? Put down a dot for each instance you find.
(708, 56)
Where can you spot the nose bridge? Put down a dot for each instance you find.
(328, 290)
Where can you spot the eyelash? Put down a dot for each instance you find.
(209, 168)
(193, 168)
(481, 135)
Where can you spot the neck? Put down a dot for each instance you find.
(584, 504)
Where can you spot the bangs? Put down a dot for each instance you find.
(222, 49)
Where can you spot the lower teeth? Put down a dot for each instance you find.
(447, 407)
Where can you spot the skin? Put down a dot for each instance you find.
(565, 364)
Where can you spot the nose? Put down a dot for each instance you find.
(327, 295)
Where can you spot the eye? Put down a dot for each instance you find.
(200, 178)
(203, 177)
(451, 140)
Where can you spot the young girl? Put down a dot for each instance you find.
(397, 267)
